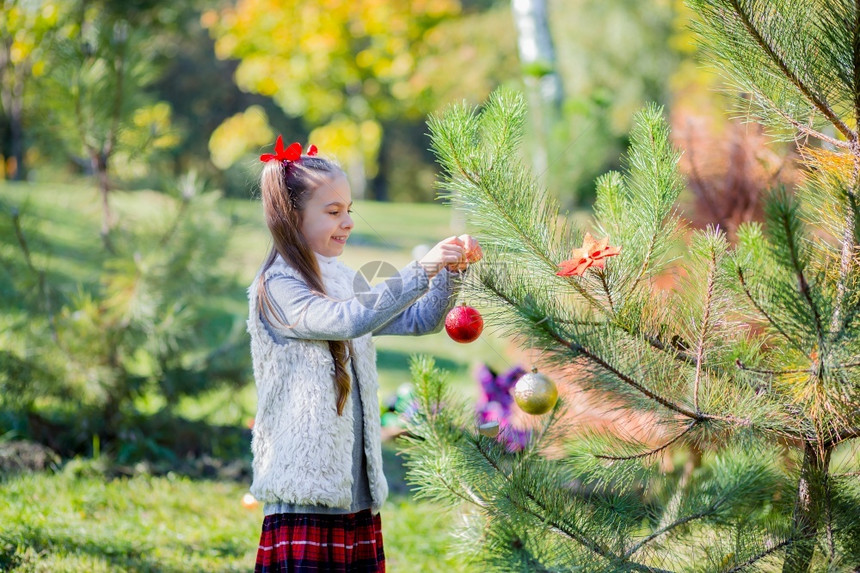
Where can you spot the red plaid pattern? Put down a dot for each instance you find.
(309, 542)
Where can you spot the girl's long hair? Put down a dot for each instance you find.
(285, 190)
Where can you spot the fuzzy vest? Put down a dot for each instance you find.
(302, 449)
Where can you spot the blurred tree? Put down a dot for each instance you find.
(149, 326)
(237, 134)
(343, 66)
(613, 57)
(538, 61)
(95, 93)
(188, 70)
(729, 169)
(729, 161)
(462, 58)
(25, 27)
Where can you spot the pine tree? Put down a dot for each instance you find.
(752, 359)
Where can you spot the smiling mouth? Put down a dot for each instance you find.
(341, 239)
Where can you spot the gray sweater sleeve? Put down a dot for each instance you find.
(425, 315)
(303, 313)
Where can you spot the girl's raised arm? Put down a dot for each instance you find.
(426, 315)
(301, 312)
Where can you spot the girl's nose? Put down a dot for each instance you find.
(348, 223)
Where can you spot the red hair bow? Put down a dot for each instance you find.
(292, 153)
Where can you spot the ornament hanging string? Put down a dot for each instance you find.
(537, 361)
(461, 297)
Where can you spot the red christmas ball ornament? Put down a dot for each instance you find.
(464, 324)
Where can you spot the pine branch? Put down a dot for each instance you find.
(656, 450)
(582, 350)
(802, 283)
(577, 536)
(728, 495)
(544, 325)
(842, 436)
(450, 155)
(848, 234)
(697, 416)
(743, 366)
(659, 159)
(606, 290)
(472, 497)
(760, 556)
(703, 331)
(820, 104)
(530, 504)
(507, 133)
(596, 359)
(806, 130)
(652, 341)
(764, 313)
(565, 529)
(540, 253)
(660, 345)
(647, 260)
(630, 552)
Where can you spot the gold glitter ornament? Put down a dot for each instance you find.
(535, 393)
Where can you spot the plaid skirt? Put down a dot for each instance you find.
(309, 542)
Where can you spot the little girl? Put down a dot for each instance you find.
(316, 439)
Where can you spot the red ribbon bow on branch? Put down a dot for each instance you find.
(593, 253)
(292, 153)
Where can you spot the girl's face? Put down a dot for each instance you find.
(326, 223)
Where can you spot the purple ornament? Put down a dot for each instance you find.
(514, 439)
(487, 378)
(494, 405)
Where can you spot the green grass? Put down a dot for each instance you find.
(75, 520)
(64, 522)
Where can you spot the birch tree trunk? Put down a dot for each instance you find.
(543, 84)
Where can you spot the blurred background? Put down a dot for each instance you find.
(130, 132)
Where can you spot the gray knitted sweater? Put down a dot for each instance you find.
(404, 304)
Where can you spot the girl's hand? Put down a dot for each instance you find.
(472, 253)
(447, 253)
(471, 249)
